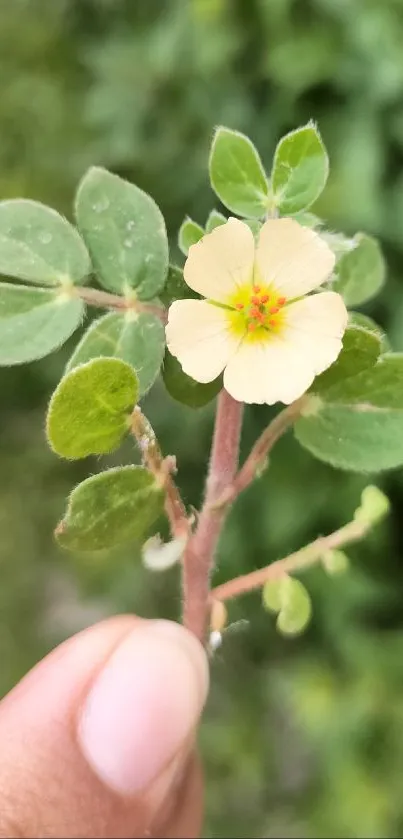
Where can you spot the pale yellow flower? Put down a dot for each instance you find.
(256, 323)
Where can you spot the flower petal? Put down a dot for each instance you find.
(292, 258)
(221, 261)
(267, 372)
(315, 327)
(198, 335)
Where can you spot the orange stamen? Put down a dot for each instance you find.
(251, 326)
(264, 298)
(254, 313)
(256, 289)
(239, 306)
(272, 323)
(255, 301)
(274, 310)
(281, 301)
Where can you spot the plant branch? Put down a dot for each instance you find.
(305, 557)
(104, 300)
(248, 472)
(162, 468)
(199, 554)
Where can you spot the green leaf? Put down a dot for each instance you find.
(360, 274)
(184, 389)
(39, 246)
(335, 562)
(138, 339)
(176, 288)
(110, 509)
(214, 220)
(357, 423)
(237, 175)
(361, 349)
(300, 170)
(89, 412)
(189, 234)
(125, 234)
(358, 319)
(375, 505)
(289, 598)
(34, 322)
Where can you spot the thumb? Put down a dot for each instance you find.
(94, 740)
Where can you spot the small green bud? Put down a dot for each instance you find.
(291, 600)
(335, 562)
(374, 506)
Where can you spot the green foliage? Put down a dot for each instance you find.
(34, 322)
(375, 505)
(360, 273)
(361, 349)
(111, 508)
(125, 234)
(90, 409)
(138, 339)
(39, 246)
(183, 388)
(356, 423)
(189, 233)
(237, 175)
(358, 319)
(175, 287)
(289, 599)
(300, 170)
(335, 562)
(214, 220)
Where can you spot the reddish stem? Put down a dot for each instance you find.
(198, 559)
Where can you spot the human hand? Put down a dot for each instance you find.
(95, 740)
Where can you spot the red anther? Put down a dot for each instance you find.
(255, 301)
(256, 289)
(240, 306)
(251, 326)
(281, 301)
(264, 298)
(274, 310)
(272, 323)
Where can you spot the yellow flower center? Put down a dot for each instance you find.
(257, 311)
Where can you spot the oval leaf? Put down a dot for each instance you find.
(90, 409)
(110, 509)
(125, 234)
(300, 170)
(357, 423)
(34, 322)
(184, 389)
(237, 175)
(214, 220)
(361, 350)
(138, 339)
(189, 234)
(39, 246)
(289, 598)
(176, 288)
(360, 274)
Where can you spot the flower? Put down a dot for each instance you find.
(256, 323)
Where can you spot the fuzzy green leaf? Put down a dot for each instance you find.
(189, 233)
(290, 600)
(360, 274)
(175, 287)
(138, 339)
(39, 246)
(237, 175)
(125, 234)
(34, 322)
(300, 170)
(361, 349)
(357, 423)
(358, 319)
(90, 409)
(184, 389)
(110, 509)
(214, 220)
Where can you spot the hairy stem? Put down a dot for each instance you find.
(162, 468)
(303, 558)
(248, 472)
(198, 559)
(104, 300)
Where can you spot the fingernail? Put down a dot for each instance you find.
(143, 705)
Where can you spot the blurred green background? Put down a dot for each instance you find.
(303, 737)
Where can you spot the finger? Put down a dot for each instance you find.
(93, 741)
